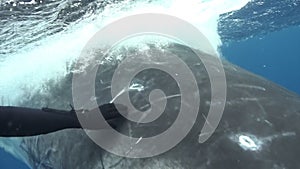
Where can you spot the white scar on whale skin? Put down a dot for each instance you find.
(250, 86)
(251, 142)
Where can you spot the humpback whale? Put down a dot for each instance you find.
(259, 128)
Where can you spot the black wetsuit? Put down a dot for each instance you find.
(22, 121)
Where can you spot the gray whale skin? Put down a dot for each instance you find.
(260, 128)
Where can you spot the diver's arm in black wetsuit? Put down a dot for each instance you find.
(21, 121)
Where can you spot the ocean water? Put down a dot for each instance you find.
(275, 56)
(260, 36)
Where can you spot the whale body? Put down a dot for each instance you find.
(259, 128)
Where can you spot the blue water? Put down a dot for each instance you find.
(275, 56)
(7, 161)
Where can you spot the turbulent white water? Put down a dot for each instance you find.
(49, 57)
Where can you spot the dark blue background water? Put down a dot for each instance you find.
(7, 161)
(275, 56)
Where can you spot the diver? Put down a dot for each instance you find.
(22, 121)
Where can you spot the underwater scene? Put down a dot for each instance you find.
(187, 84)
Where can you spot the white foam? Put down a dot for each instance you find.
(47, 59)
